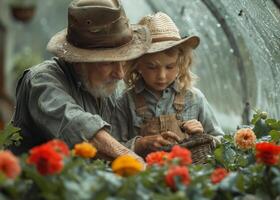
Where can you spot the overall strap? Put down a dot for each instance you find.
(140, 104)
(179, 103)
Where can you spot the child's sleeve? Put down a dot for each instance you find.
(207, 118)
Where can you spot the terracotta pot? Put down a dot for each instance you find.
(23, 14)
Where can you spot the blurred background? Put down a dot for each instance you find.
(238, 61)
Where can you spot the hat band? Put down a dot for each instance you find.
(166, 38)
(113, 35)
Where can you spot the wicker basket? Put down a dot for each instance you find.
(201, 145)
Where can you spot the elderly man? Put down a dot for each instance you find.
(71, 97)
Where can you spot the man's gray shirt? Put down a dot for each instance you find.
(52, 103)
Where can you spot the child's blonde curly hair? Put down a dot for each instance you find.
(186, 79)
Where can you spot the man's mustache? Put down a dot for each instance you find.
(111, 82)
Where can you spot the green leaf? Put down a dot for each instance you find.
(230, 183)
(41, 181)
(218, 153)
(261, 128)
(229, 154)
(256, 118)
(241, 161)
(275, 136)
(9, 136)
(273, 124)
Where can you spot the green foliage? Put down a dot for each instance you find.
(86, 179)
(25, 59)
(229, 156)
(10, 135)
(264, 126)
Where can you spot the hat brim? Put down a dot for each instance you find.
(192, 41)
(140, 43)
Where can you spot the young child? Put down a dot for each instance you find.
(161, 106)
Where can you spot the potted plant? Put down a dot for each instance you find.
(23, 60)
(23, 10)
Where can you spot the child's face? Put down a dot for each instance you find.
(158, 70)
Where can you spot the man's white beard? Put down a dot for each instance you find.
(103, 90)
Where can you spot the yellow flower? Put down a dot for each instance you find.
(85, 150)
(245, 138)
(126, 165)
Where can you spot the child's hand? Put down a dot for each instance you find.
(192, 127)
(154, 142)
(171, 137)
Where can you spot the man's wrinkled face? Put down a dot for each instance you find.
(101, 79)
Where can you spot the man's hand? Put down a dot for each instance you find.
(154, 142)
(192, 127)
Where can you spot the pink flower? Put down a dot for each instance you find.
(245, 139)
(9, 164)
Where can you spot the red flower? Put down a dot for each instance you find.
(267, 153)
(218, 175)
(182, 153)
(46, 159)
(9, 164)
(157, 157)
(59, 146)
(178, 172)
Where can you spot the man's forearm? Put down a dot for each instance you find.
(109, 146)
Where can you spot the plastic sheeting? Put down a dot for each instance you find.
(238, 60)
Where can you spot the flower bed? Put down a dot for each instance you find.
(246, 165)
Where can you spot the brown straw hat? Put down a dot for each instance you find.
(165, 33)
(99, 31)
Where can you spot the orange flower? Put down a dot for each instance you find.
(9, 164)
(245, 138)
(59, 146)
(157, 157)
(46, 159)
(182, 153)
(178, 172)
(85, 150)
(126, 165)
(267, 153)
(218, 175)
